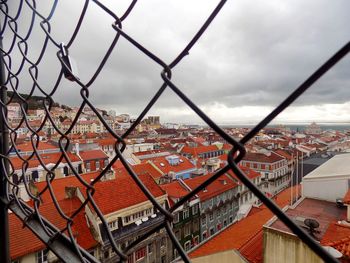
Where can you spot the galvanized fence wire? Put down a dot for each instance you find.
(63, 240)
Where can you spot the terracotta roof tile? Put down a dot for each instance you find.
(58, 185)
(163, 164)
(124, 192)
(252, 250)
(23, 241)
(47, 158)
(220, 185)
(260, 157)
(27, 147)
(175, 189)
(93, 155)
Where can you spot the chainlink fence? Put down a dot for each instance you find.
(62, 241)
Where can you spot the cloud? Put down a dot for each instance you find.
(252, 56)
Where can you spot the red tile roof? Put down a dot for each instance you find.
(105, 141)
(215, 188)
(93, 155)
(143, 168)
(162, 164)
(198, 150)
(27, 147)
(252, 250)
(260, 157)
(23, 241)
(47, 158)
(123, 192)
(58, 185)
(335, 232)
(175, 189)
(338, 237)
(251, 174)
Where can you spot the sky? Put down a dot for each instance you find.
(252, 56)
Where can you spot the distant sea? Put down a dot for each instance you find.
(297, 127)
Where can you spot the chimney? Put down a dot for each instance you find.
(77, 148)
(70, 191)
(223, 181)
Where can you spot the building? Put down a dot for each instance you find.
(218, 203)
(199, 154)
(242, 241)
(128, 213)
(186, 218)
(313, 129)
(94, 160)
(273, 168)
(330, 180)
(173, 167)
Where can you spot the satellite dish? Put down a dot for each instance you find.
(312, 224)
(335, 253)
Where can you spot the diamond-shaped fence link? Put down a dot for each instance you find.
(62, 241)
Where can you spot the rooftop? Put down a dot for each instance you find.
(323, 211)
(237, 235)
(338, 166)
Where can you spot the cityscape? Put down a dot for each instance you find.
(225, 221)
(174, 131)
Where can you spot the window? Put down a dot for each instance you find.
(204, 220)
(141, 253)
(195, 240)
(195, 225)
(204, 235)
(211, 217)
(187, 245)
(106, 254)
(112, 225)
(127, 219)
(176, 218)
(88, 167)
(106, 162)
(97, 165)
(195, 209)
(187, 230)
(212, 231)
(41, 256)
(186, 213)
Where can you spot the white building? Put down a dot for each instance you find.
(330, 180)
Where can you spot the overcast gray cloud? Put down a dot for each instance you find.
(254, 54)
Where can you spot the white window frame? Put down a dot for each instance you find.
(176, 218)
(113, 225)
(41, 256)
(195, 209)
(186, 213)
(187, 245)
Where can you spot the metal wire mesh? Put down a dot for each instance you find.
(62, 241)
